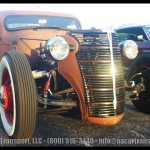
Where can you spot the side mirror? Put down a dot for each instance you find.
(140, 37)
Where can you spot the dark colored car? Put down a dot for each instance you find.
(49, 62)
(137, 70)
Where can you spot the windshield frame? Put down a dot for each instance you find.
(146, 28)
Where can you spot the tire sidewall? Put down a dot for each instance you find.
(5, 63)
(143, 58)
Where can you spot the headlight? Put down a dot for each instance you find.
(130, 49)
(58, 48)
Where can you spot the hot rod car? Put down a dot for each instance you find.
(48, 61)
(137, 69)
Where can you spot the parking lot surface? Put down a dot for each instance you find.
(68, 129)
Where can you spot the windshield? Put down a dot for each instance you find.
(18, 22)
(133, 30)
(126, 36)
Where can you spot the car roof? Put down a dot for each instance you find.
(15, 12)
(132, 26)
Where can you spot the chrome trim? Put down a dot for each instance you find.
(112, 70)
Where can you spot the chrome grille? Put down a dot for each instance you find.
(94, 60)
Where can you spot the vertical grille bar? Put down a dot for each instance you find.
(112, 69)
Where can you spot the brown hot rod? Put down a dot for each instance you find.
(48, 61)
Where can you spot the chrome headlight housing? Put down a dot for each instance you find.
(58, 48)
(130, 49)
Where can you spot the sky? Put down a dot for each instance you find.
(98, 15)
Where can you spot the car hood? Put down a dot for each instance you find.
(143, 45)
(43, 34)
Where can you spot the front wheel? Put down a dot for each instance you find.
(18, 96)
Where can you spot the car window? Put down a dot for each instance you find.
(126, 36)
(133, 30)
(18, 22)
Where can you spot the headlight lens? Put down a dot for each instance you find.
(58, 48)
(130, 49)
